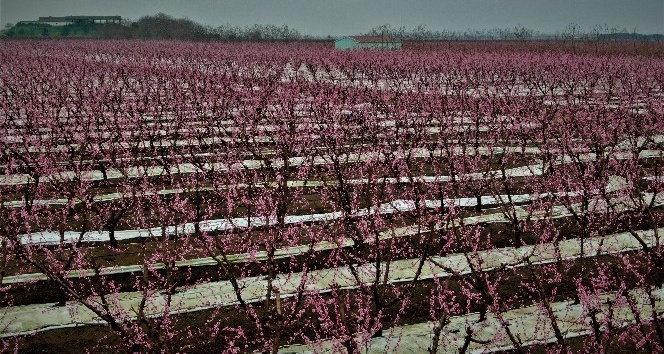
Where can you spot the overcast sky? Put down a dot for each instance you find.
(347, 17)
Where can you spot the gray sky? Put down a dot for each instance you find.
(347, 17)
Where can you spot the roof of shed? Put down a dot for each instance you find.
(75, 18)
(53, 19)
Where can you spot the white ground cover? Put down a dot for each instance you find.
(290, 184)
(396, 206)
(318, 160)
(531, 325)
(38, 317)
(186, 168)
(557, 212)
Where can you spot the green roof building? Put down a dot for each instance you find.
(367, 42)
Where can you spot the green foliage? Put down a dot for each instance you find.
(35, 30)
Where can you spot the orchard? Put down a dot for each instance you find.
(178, 197)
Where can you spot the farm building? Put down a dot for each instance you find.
(69, 20)
(367, 42)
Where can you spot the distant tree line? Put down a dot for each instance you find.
(420, 32)
(572, 32)
(163, 26)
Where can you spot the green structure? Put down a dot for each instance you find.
(367, 42)
(70, 20)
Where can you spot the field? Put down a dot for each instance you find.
(471, 197)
